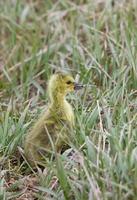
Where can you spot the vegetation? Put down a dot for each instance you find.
(97, 41)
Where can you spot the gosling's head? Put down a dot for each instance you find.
(62, 83)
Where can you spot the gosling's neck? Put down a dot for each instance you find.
(57, 100)
(60, 105)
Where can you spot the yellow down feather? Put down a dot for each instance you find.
(51, 131)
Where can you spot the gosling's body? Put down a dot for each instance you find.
(52, 129)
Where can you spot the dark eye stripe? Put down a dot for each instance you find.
(68, 82)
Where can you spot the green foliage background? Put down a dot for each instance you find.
(98, 41)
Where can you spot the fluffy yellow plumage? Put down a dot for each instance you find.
(51, 131)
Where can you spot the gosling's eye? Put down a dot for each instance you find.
(68, 82)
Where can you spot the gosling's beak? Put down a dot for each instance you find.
(77, 86)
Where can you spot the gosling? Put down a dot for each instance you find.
(52, 130)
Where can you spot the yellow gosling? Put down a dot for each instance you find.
(52, 130)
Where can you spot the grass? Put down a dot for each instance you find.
(98, 41)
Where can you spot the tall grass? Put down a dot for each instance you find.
(97, 40)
